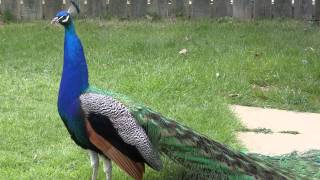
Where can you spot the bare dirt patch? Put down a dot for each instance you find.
(289, 131)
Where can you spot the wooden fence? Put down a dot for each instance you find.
(241, 9)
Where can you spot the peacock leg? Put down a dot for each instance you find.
(94, 158)
(107, 168)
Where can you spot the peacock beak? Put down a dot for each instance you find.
(55, 20)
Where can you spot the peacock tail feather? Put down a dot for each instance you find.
(195, 152)
(198, 153)
(305, 164)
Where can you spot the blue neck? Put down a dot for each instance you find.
(75, 73)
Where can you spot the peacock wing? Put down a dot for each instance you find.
(113, 122)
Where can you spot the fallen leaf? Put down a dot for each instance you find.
(183, 51)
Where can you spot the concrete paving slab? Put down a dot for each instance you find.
(307, 125)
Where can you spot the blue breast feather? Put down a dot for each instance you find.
(73, 83)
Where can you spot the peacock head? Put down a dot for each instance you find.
(64, 17)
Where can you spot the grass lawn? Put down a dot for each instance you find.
(267, 63)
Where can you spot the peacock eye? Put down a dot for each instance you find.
(64, 19)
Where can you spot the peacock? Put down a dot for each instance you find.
(132, 135)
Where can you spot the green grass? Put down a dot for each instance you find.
(272, 64)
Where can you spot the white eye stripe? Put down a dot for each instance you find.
(66, 19)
